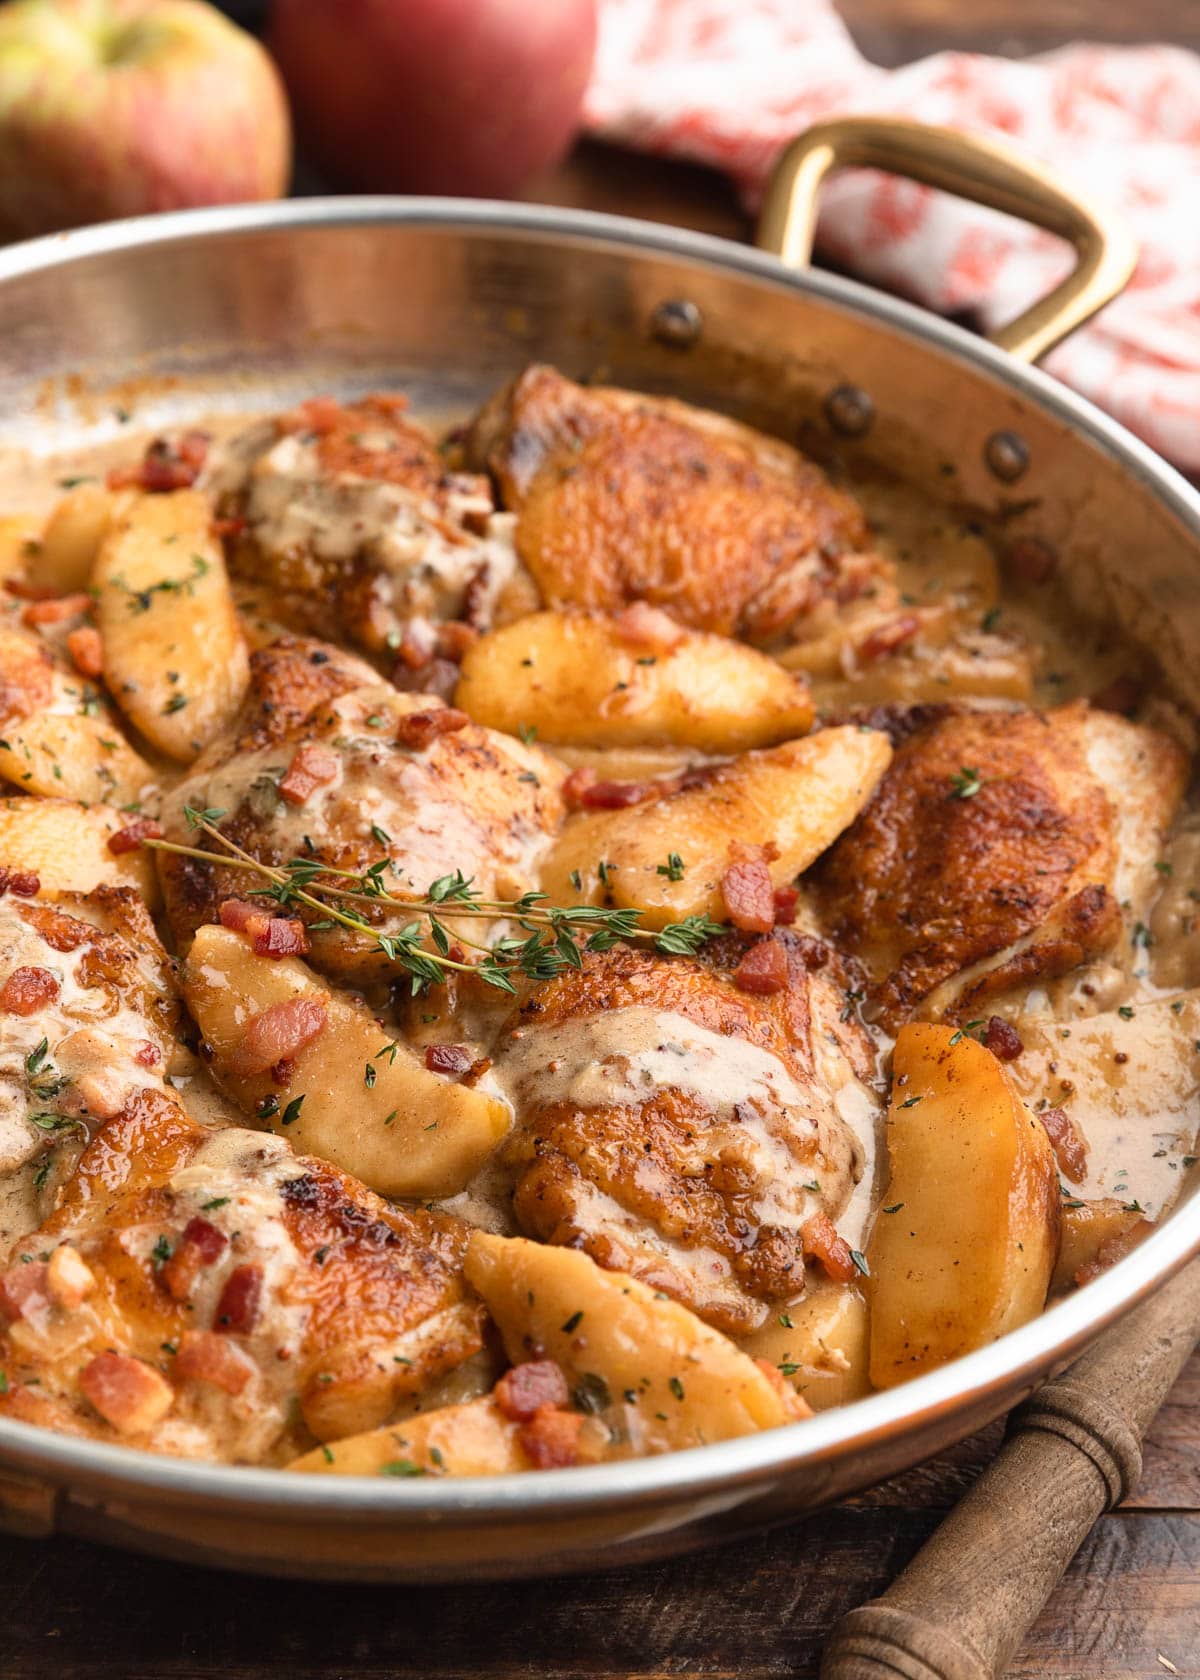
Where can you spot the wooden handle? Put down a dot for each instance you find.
(963, 1605)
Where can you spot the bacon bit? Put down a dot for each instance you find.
(550, 1440)
(126, 1392)
(241, 1298)
(583, 790)
(418, 729)
(454, 638)
(576, 785)
(25, 1290)
(439, 677)
(240, 916)
(200, 1245)
(786, 901)
(68, 1277)
(1069, 1148)
(204, 1356)
(317, 414)
(641, 625)
(130, 839)
(277, 1032)
(168, 464)
(147, 1055)
(619, 796)
(24, 589)
(1121, 696)
(886, 638)
(1030, 560)
(86, 650)
(450, 1059)
(763, 970)
(22, 883)
(417, 644)
(474, 601)
(55, 611)
(819, 1238)
(476, 1071)
(282, 937)
(312, 767)
(27, 990)
(747, 890)
(1003, 1039)
(283, 1072)
(1114, 1248)
(226, 529)
(522, 1392)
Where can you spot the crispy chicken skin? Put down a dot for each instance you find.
(394, 786)
(213, 1295)
(289, 678)
(622, 498)
(349, 514)
(683, 1130)
(990, 855)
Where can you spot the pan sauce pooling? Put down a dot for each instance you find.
(859, 1015)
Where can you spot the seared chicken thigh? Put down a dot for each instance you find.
(696, 1135)
(623, 498)
(351, 517)
(210, 1294)
(88, 1016)
(371, 777)
(992, 854)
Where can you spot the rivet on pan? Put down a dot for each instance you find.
(849, 411)
(677, 322)
(1007, 456)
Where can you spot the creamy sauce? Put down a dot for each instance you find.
(86, 1072)
(622, 1058)
(1130, 1082)
(425, 557)
(1131, 1085)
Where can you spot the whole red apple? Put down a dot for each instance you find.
(444, 96)
(114, 107)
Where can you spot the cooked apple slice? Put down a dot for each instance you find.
(682, 1383)
(1091, 1231)
(73, 534)
(796, 798)
(966, 1239)
(354, 1096)
(475, 1439)
(583, 679)
(66, 846)
(58, 736)
(175, 659)
(818, 1343)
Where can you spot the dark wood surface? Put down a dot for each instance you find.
(1130, 1605)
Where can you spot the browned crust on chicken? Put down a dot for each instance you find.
(655, 1186)
(470, 799)
(289, 679)
(623, 498)
(938, 874)
(367, 1280)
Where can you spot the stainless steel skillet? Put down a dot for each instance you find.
(170, 317)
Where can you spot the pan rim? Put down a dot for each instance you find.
(973, 1382)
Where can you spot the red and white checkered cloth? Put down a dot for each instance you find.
(729, 82)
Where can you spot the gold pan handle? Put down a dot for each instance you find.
(985, 171)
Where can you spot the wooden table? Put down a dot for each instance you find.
(1130, 1605)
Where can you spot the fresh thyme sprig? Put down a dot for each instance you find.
(550, 940)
